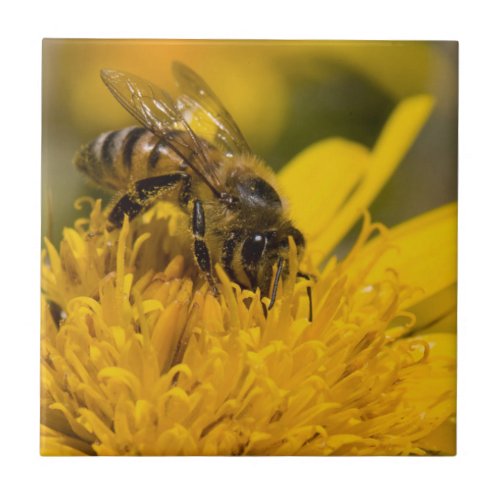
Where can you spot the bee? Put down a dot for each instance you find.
(237, 218)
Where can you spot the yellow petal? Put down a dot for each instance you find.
(438, 377)
(397, 137)
(442, 345)
(333, 182)
(424, 253)
(436, 312)
(318, 180)
(54, 443)
(50, 447)
(443, 440)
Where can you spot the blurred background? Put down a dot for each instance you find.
(283, 95)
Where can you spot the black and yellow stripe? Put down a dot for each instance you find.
(116, 158)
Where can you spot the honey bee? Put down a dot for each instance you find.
(237, 217)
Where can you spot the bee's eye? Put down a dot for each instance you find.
(258, 193)
(253, 248)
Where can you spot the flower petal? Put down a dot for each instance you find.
(424, 254)
(331, 183)
(443, 354)
(437, 312)
(430, 388)
(443, 440)
(318, 180)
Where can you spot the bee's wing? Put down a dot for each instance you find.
(199, 104)
(157, 111)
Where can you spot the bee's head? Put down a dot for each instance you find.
(260, 251)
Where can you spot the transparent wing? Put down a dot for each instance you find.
(157, 111)
(205, 113)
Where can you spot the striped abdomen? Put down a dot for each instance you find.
(116, 157)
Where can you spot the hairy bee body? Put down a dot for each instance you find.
(116, 157)
(236, 215)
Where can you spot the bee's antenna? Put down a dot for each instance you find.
(275, 283)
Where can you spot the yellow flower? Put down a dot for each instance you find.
(139, 358)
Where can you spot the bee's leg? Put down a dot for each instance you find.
(144, 192)
(309, 291)
(277, 277)
(200, 248)
(307, 276)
